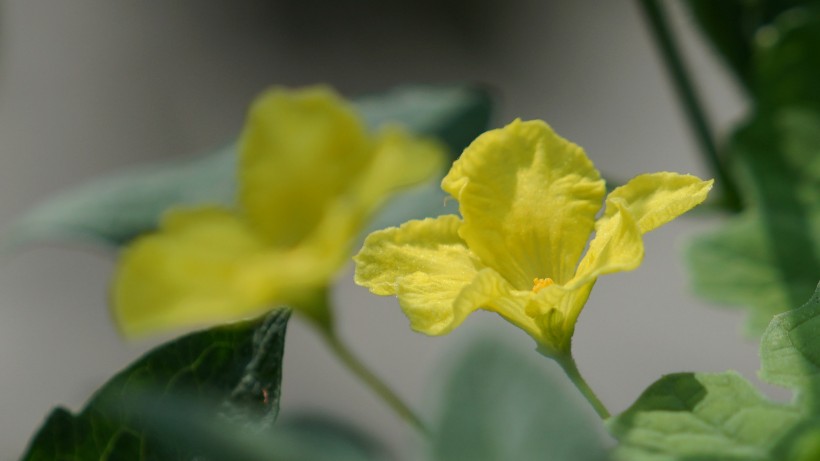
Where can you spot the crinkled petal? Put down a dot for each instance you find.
(529, 199)
(436, 278)
(189, 273)
(429, 246)
(435, 307)
(299, 149)
(657, 198)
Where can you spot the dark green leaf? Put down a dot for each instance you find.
(115, 209)
(187, 425)
(237, 369)
(769, 258)
(499, 406)
(734, 28)
(728, 27)
(787, 59)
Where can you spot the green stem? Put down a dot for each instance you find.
(656, 16)
(567, 363)
(377, 385)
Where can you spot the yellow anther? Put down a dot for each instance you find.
(538, 284)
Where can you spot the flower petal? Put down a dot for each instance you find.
(431, 246)
(400, 160)
(426, 264)
(435, 305)
(437, 280)
(298, 150)
(189, 273)
(529, 199)
(617, 246)
(657, 198)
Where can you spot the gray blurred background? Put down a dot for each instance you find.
(92, 86)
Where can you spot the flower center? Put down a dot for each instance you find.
(539, 284)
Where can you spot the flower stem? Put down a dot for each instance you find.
(656, 16)
(567, 363)
(377, 385)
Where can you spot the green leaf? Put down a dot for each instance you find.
(115, 209)
(732, 27)
(698, 416)
(787, 59)
(726, 25)
(454, 114)
(236, 368)
(689, 416)
(187, 425)
(768, 259)
(790, 352)
(500, 406)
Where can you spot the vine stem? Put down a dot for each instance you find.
(377, 385)
(656, 16)
(567, 363)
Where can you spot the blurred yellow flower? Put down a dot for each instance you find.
(528, 201)
(309, 178)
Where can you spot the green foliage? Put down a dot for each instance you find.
(732, 27)
(787, 59)
(790, 352)
(116, 209)
(235, 370)
(769, 257)
(497, 405)
(692, 416)
(188, 426)
(688, 416)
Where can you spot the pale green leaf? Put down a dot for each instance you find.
(698, 416)
(498, 405)
(768, 259)
(114, 209)
(790, 352)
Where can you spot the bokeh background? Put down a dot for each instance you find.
(89, 87)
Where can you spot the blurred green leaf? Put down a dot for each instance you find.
(767, 259)
(454, 114)
(732, 26)
(499, 406)
(727, 25)
(699, 416)
(187, 425)
(236, 368)
(115, 209)
(787, 59)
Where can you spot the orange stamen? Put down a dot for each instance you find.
(539, 284)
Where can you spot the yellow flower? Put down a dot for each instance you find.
(309, 178)
(528, 201)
